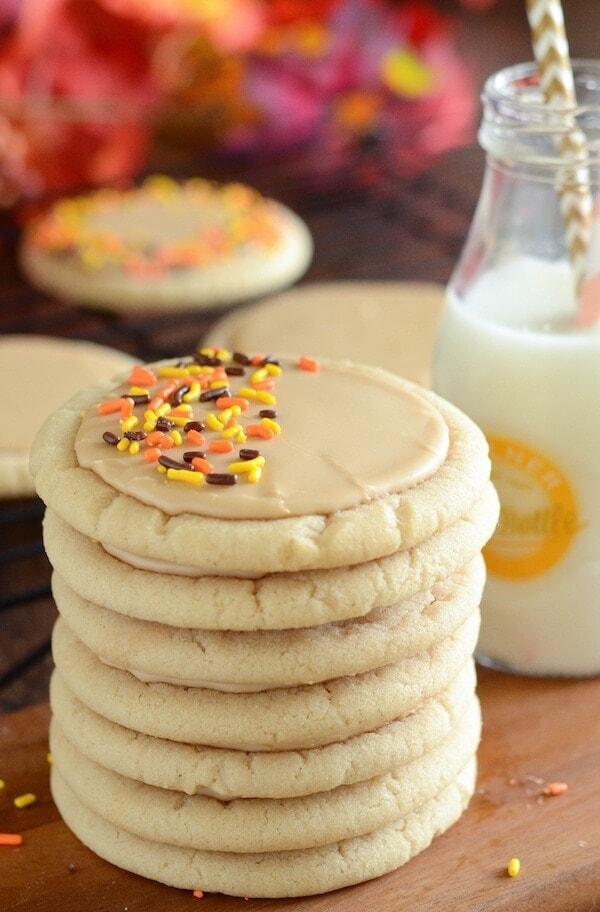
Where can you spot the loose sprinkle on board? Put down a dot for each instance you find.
(555, 788)
(10, 839)
(513, 867)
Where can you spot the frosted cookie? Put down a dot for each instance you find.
(166, 245)
(261, 660)
(42, 372)
(392, 324)
(227, 774)
(272, 602)
(329, 502)
(265, 824)
(277, 719)
(274, 874)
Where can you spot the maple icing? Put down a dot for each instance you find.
(348, 435)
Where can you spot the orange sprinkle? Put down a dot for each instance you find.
(182, 411)
(227, 401)
(169, 388)
(154, 438)
(109, 406)
(264, 385)
(141, 376)
(155, 403)
(152, 454)
(555, 788)
(198, 894)
(202, 465)
(257, 360)
(10, 839)
(259, 430)
(195, 437)
(126, 408)
(220, 446)
(308, 364)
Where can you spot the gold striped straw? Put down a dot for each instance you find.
(551, 50)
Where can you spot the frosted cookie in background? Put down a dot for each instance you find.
(165, 245)
(392, 324)
(40, 372)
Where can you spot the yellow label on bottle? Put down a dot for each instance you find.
(538, 517)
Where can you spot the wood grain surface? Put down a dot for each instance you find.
(535, 732)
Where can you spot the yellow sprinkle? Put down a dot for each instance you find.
(513, 867)
(213, 423)
(259, 375)
(176, 438)
(23, 801)
(173, 372)
(231, 432)
(150, 424)
(274, 370)
(2, 784)
(138, 391)
(162, 469)
(179, 420)
(186, 475)
(241, 437)
(248, 393)
(50, 757)
(255, 474)
(267, 398)
(134, 447)
(246, 465)
(193, 393)
(128, 424)
(123, 445)
(225, 415)
(162, 410)
(272, 425)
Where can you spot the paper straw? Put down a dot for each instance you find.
(551, 50)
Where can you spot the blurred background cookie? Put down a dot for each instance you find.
(164, 245)
(392, 324)
(37, 374)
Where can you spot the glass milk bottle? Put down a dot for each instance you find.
(510, 353)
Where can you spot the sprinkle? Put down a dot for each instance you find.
(176, 438)
(123, 444)
(234, 371)
(194, 437)
(267, 398)
(240, 358)
(200, 464)
(221, 478)
(224, 402)
(267, 413)
(2, 784)
(555, 788)
(11, 839)
(130, 423)
(258, 375)
(260, 430)
(135, 435)
(152, 454)
(134, 447)
(247, 392)
(188, 475)
(272, 425)
(255, 474)
(220, 446)
(248, 454)
(110, 406)
(23, 801)
(110, 438)
(246, 465)
(142, 376)
(50, 758)
(127, 404)
(198, 894)
(308, 364)
(169, 463)
(513, 867)
(214, 393)
(232, 432)
(213, 423)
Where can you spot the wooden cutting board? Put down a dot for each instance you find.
(535, 732)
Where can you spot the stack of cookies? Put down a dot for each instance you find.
(268, 574)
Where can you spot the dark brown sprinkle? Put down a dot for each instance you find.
(179, 393)
(71, 868)
(171, 463)
(207, 360)
(163, 424)
(234, 371)
(240, 358)
(191, 454)
(267, 413)
(109, 437)
(135, 435)
(246, 453)
(138, 398)
(221, 478)
(194, 426)
(210, 394)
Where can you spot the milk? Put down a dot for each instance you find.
(506, 355)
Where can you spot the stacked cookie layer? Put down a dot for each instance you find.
(251, 697)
